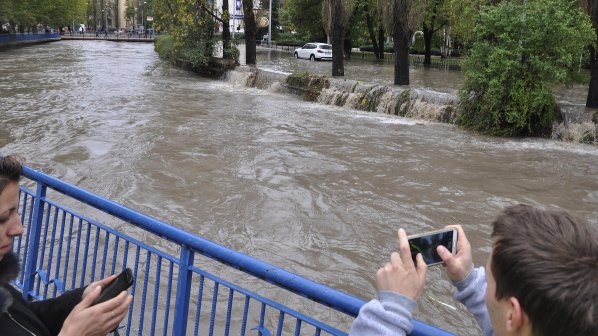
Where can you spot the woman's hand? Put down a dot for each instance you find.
(96, 320)
(400, 274)
(103, 283)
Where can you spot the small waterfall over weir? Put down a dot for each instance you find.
(578, 125)
(406, 102)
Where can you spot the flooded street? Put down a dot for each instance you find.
(317, 190)
(435, 78)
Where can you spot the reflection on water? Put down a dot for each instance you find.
(318, 190)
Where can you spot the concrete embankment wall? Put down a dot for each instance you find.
(579, 123)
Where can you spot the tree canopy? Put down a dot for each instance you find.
(521, 50)
(29, 13)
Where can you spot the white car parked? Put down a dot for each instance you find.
(315, 51)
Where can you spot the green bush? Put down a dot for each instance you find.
(231, 53)
(291, 39)
(239, 37)
(197, 53)
(310, 85)
(388, 47)
(521, 52)
(164, 46)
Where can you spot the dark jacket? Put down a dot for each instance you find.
(40, 318)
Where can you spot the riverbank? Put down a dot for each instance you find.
(110, 37)
(579, 124)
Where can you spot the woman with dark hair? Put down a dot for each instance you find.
(70, 314)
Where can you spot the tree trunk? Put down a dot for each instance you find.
(401, 42)
(380, 51)
(225, 31)
(250, 31)
(592, 101)
(103, 13)
(370, 26)
(338, 31)
(428, 33)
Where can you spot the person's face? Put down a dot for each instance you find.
(495, 307)
(10, 220)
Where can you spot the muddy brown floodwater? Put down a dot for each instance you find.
(318, 190)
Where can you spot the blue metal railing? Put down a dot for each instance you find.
(177, 290)
(14, 38)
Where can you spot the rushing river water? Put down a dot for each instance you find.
(318, 190)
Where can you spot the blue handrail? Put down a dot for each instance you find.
(15, 38)
(190, 244)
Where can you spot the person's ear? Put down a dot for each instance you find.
(517, 319)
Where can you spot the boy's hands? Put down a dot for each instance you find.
(400, 274)
(457, 266)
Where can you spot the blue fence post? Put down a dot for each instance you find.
(183, 292)
(33, 240)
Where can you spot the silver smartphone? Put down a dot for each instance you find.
(426, 244)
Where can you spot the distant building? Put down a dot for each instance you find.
(235, 8)
(112, 13)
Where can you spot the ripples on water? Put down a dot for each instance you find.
(318, 190)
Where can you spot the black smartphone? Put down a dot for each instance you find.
(426, 244)
(116, 286)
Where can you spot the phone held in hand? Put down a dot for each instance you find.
(122, 282)
(426, 244)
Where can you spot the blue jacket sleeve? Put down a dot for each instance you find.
(389, 315)
(470, 292)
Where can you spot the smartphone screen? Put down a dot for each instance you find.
(426, 245)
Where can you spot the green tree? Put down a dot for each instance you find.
(27, 14)
(130, 15)
(462, 15)
(335, 16)
(190, 25)
(250, 32)
(305, 16)
(522, 50)
(373, 20)
(401, 17)
(591, 7)
(434, 21)
(265, 4)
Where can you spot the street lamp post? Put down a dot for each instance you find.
(95, 19)
(143, 16)
(105, 11)
(270, 24)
